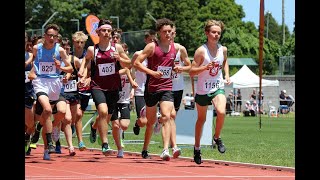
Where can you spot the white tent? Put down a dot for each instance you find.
(245, 78)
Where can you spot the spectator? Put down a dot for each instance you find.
(238, 100)
(260, 102)
(253, 96)
(229, 105)
(254, 108)
(286, 101)
(250, 109)
(187, 101)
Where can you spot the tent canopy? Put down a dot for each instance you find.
(245, 78)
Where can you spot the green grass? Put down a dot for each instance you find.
(273, 144)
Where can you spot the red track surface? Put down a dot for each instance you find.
(91, 164)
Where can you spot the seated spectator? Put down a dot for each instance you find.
(254, 108)
(246, 111)
(250, 109)
(286, 101)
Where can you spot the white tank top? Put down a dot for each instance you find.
(141, 78)
(211, 80)
(177, 78)
(124, 95)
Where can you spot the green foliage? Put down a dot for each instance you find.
(241, 38)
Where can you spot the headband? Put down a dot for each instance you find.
(108, 26)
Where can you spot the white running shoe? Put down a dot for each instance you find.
(165, 155)
(120, 153)
(55, 133)
(176, 152)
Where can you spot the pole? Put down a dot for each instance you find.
(283, 25)
(268, 13)
(78, 23)
(261, 30)
(42, 28)
(116, 17)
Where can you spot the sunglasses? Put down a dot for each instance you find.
(52, 35)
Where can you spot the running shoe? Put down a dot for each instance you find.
(46, 155)
(176, 152)
(218, 142)
(82, 147)
(145, 154)
(165, 155)
(71, 151)
(106, 150)
(197, 156)
(33, 145)
(51, 148)
(120, 153)
(55, 133)
(136, 128)
(93, 133)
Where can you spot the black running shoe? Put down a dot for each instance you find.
(136, 129)
(93, 133)
(221, 147)
(51, 148)
(197, 156)
(145, 154)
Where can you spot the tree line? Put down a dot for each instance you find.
(189, 16)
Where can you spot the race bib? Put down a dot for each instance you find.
(175, 75)
(166, 71)
(210, 84)
(70, 86)
(106, 69)
(122, 95)
(26, 74)
(47, 68)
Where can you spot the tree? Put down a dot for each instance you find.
(37, 12)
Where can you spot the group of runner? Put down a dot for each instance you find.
(60, 83)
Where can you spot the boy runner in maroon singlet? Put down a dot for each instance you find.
(160, 55)
(106, 59)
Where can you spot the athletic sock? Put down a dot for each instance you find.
(197, 148)
(49, 137)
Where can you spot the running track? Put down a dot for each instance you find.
(91, 165)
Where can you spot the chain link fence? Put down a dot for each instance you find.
(287, 65)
